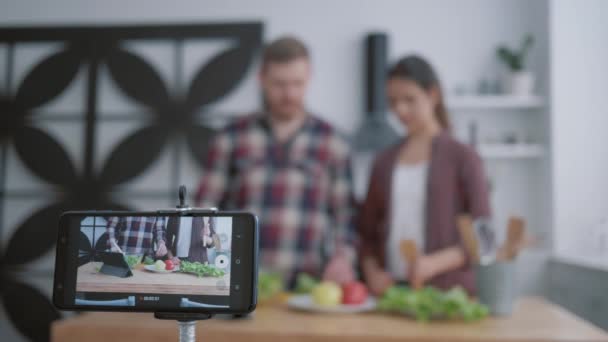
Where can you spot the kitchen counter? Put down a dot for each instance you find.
(534, 320)
(142, 281)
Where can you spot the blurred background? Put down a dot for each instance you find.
(110, 105)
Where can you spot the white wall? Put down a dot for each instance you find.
(579, 87)
(458, 36)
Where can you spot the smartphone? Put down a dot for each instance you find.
(177, 260)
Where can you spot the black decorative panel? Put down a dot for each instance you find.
(61, 150)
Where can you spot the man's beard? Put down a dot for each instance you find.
(286, 112)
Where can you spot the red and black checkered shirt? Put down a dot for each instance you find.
(300, 190)
(136, 235)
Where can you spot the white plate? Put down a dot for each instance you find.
(305, 303)
(152, 268)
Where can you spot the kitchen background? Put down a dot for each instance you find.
(546, 155)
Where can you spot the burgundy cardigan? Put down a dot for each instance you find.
(197, 251)
(455, 184)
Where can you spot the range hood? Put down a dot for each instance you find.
(375, 132)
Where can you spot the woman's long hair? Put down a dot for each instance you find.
(418, 70)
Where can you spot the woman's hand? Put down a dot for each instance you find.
(206, 235)
(206, 230)
(423, 270)
(207, 240)
(379, 281)
(429, 266)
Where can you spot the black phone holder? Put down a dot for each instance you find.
(186, 320)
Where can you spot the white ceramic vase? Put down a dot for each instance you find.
(520, 83)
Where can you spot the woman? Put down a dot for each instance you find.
(189, 237)
(417, 189)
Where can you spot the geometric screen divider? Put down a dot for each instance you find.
(64, 93)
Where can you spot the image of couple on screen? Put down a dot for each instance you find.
(176, 238)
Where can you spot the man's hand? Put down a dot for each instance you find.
(162, 249)
(114, 246)
(339, 270)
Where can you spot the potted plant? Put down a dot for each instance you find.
(519, 81)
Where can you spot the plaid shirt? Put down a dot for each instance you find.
(300, 190)
(135, 235)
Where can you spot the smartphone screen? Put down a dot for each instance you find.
(157, 261)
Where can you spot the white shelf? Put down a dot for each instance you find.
(494, 101)
(510, 151)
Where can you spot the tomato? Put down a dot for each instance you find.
(169, 265)
(354, 293)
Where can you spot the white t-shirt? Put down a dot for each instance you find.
(408, 206)
(184, 236)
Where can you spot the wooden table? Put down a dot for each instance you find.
(90, 280)
(534, 320)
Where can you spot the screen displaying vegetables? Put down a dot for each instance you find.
(159, 265)
(201, 270)
(132, 260)
(148, 260)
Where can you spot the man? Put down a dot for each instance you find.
(291, 169)
(189, 238)
(136, 235)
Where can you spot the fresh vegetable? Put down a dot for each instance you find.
(354, 293)
(132, 260)
(148, 260)
(429, 303)
(169, 266)
(201, 270)
(305, 283)
(159, 265)
(269, 285)
(327, 294)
